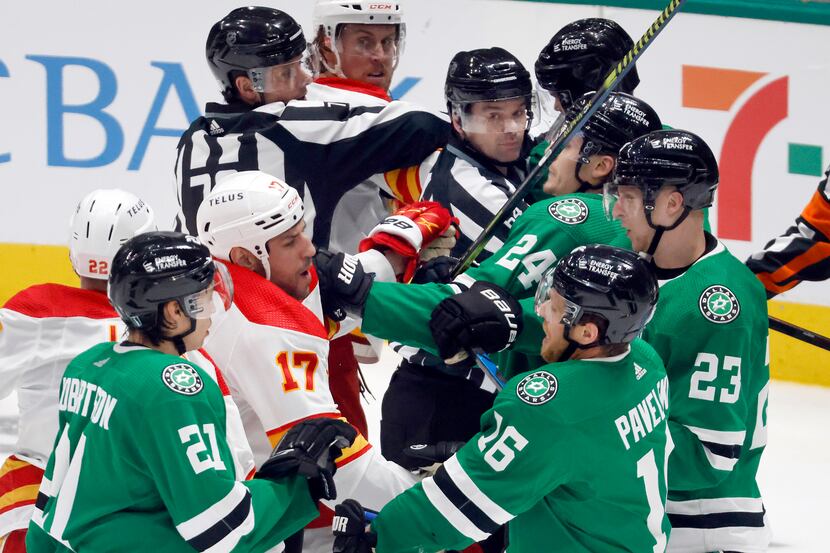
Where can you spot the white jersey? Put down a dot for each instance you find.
(274, 351)
(42, 329)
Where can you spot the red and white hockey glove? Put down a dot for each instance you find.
(411, 230)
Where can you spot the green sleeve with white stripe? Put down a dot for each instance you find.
(184, 447)
(401, 312)
(500, 473)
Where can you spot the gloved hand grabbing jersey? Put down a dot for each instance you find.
(484, 318)
(420, 230)
(309, 449)
(349, 528)
(344, 284)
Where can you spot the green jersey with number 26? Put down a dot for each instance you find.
(572, 457)
(141, 462)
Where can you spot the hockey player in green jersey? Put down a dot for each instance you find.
(142, 461)
(710, 328)
(572, 455)
(544, 233)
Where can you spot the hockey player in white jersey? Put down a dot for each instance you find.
(323, 140)
(42, 328)
(274, 342)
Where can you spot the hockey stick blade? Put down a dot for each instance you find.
(799, 333)
(609, 84)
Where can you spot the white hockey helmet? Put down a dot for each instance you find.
(102, 221)
(329, 14)
(247, 209)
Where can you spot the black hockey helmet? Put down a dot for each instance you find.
(248, 38)
(579, 57)
(619, 120)
(616, 286)
(669, 158)
(156, 267)
(486, 74)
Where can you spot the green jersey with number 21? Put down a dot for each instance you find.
(141, 462)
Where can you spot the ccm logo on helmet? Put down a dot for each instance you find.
(504, 308)
(348, 268)
(380, 6)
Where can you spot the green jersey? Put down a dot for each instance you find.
(547, 231)
(710, 327)
(572, 457)
(141, 462)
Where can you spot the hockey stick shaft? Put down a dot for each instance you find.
(573, 127)
(799, 333)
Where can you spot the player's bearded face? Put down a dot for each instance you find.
(289, 256)
(629, 210)
(554, 342)
(369, 53)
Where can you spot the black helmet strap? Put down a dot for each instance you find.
(660, 229)
(178, 340)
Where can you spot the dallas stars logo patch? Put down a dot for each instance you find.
(182, 379)
(719, 304)
(537, 388)
(570, 211)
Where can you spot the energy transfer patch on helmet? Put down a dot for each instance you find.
(571, 211)
(182, 379)
(719, 304)
(537, 388)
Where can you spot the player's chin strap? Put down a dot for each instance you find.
(660, 229)
(573, 345)
(585, 186)
(178, 340)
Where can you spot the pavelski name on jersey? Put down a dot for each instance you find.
(75, 398)
(644, 417)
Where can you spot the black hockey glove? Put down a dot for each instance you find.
(438, 269)
(344, 284)
(309, 449)
(349, 529)
(428, 457)
(483, 318)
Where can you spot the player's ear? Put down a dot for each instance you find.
(675, 202)
(602, 167)
(456, 124)
(172, 315)
(245, 89)
(586, 333)
(244, 258)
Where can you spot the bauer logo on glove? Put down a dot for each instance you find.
(411, 231)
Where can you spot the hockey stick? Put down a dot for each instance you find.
(574, 126)
(799, 333)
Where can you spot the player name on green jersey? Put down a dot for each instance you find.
(643, 418)
(75, 398)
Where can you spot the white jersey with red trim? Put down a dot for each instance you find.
(274, 352)
(43, 328)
